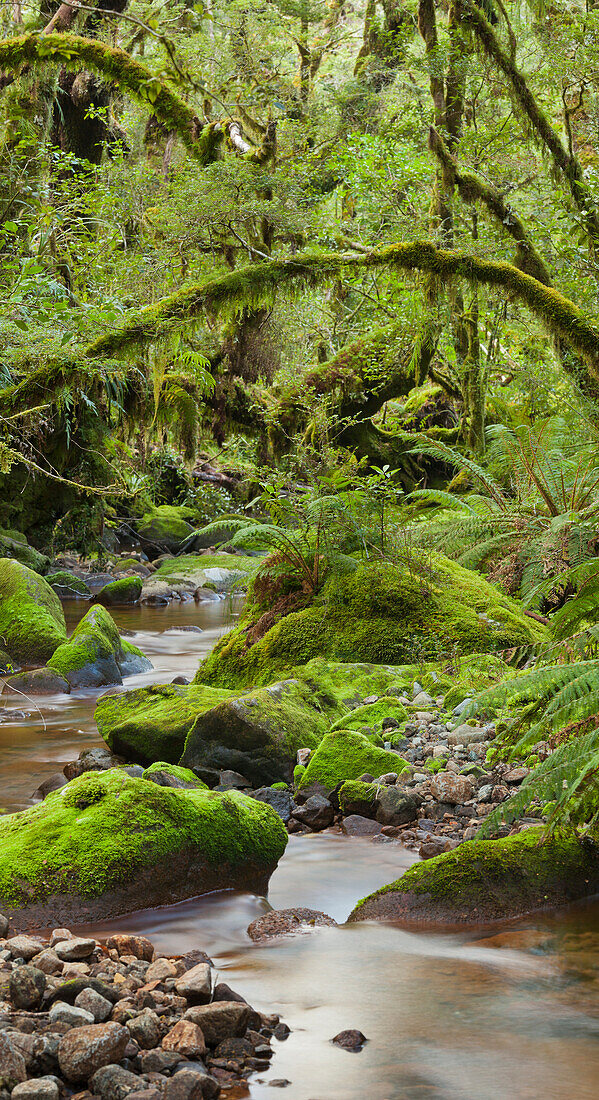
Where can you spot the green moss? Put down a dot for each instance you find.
(74, 585)
(17, 548)
(298, 772)
(32, 623)
(280, 786)
(373, 714)
(220, 572)
(95, 654)
(484, 878)
(93, 834)
(165, 527)
(436, 765)
(151, 724)
(353, 793)
(383, 614)
(345, 754)
(258, 733)
(184, 774)
(125, 591)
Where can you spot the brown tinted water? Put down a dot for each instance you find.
(512, 1015)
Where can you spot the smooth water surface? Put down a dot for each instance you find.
(512, 1015)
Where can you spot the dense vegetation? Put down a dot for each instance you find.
(322, 279)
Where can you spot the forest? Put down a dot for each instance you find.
(299, 549)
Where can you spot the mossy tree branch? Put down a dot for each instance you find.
(567, 162)
(113, 64)
(256, 286)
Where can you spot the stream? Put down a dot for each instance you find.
(483, 1016)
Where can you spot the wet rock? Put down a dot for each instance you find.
(285, 922)
(84, 1050)
(351, 1040)
(114, 1083)
(37, 681)
(196, 984)
(316, 812)
(92, 760)
(26, 987)
(451, 788)
(219, 1020)
(281, 801)
(12, 1064)
(355, 825)
(40, 1088)
(186, 1038)
(395, 806)
(52, 783)
(117, 593)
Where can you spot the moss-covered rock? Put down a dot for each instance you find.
(373, 715)
(32, 624)
(164, 529)
(151, 724)
(383, 614)
(169, 775)
(258, 734)
(107, 843)
(358, 798)
(67, 586)
(222, 572)
(345, 754)
(483, 881)
(95, 654)
(14, 545)
(125, 591)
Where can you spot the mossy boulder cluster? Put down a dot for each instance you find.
(107, 843)
(165, 529)
(95, 654)
(14, 545)
(382, 613)
(485, 881)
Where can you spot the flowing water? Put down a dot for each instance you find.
(512, 1015)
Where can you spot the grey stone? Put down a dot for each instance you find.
(38, 1088)
(451, 787)
(114, 1083)
(191, 1085)
(63, 1013)
(485, 792)
(24, 947)
(355, 825)
(83, 1050)
(146, 1029)
(281, 801)
(94, 1003)
(52, 783)
(316, 812)
(49, 962)
(26, 985)
(397, 807)
(219, 1020)
(196, 984)
(13, 1069)
(232, 781)
(467, 735)
(74, 949)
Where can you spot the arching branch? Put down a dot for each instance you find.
(113, 64)
(255, 286)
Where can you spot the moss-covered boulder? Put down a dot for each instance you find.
(484, 881)
(373, 715)
(151, 724)
(67, 586)
(117, 593)
(258, 733)
(345, 754)
(14, 545)
(382, 613)
(107, 843)
(165, 529)
(95, 654)
(169, 775)
(32, 624)
(36, 681)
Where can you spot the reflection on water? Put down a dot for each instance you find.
(508, 1016)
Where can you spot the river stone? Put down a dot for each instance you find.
(94, 1003)
(219, 1020)
(27, 985)
(188, 1084)
(451, 787)
(351, 1040)
(84, 1050)
(467, 735)
(39, 1088)
(355, 825)
(281, 801)
(286, 922)
(52, 783)
(63, 1013)
(12, 1064)
(196, 984)
(74, 949)
(185, 1038)
(146, 1029)
(38, 681)
(24, 947)
(397, 807)
(3, 926)
(139, 946)
(49, 962)
(317, 812)
(114, 1083)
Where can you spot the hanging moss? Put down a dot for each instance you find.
(113, 64)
